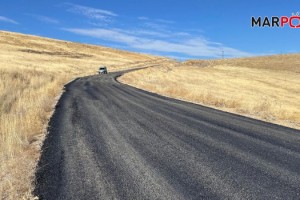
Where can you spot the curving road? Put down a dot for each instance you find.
(111, 141)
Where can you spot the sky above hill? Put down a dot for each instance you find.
(190, 29)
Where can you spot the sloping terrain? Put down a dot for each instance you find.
(33, 71)
(284, 62)
(111, 141)
(266, 88)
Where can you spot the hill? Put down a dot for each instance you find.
(33, 71)
(266, 88)
(284, 62)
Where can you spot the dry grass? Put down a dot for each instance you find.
(266, 88)
(33, 71)
(285, 62)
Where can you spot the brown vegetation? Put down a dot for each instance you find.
(266, 88)
(33, 71)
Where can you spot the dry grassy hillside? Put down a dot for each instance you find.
(33, 71)
(266, 88)
(285, 62)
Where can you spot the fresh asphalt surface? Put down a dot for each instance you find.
(111, 141)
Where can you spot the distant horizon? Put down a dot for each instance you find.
(99, 45)
(180, 30)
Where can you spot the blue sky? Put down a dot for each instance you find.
(190, 29)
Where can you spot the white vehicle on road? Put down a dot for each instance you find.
(102, 70)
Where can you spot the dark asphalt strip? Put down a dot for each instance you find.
(111, 141)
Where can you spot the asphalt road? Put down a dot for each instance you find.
(110, 141)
